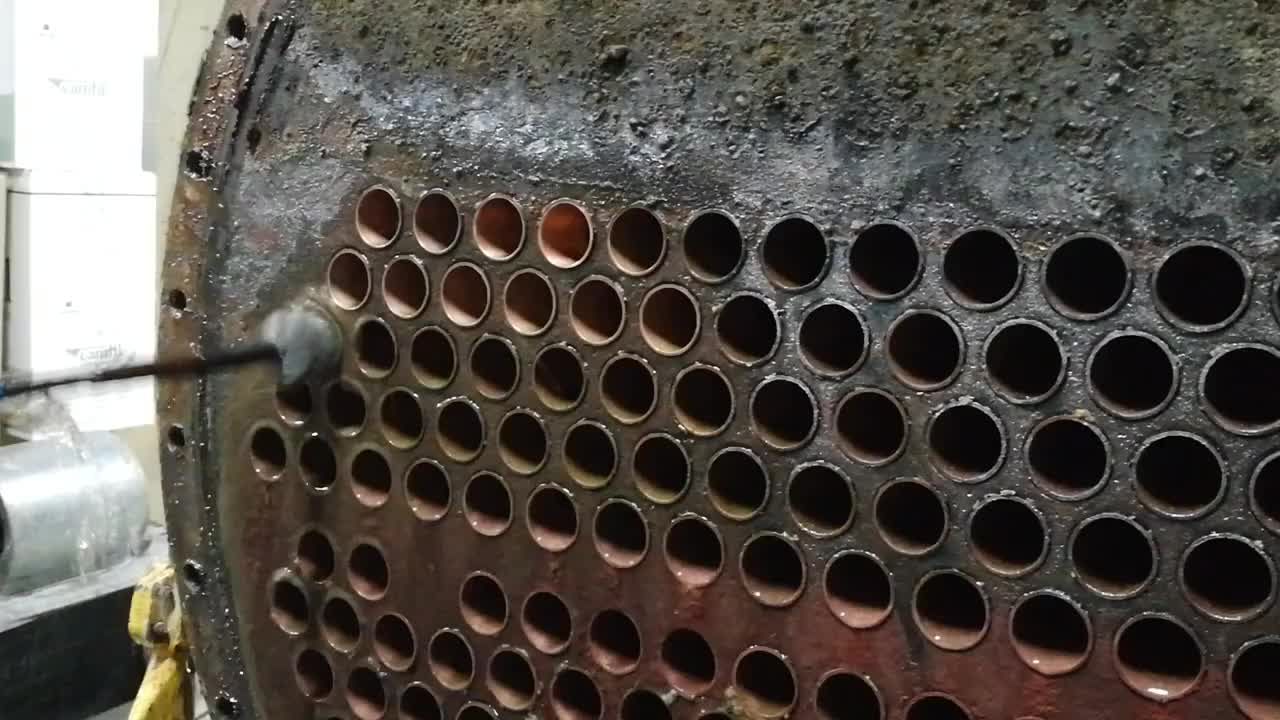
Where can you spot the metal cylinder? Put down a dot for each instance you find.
(69, 506)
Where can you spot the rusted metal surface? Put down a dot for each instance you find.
(830, 360)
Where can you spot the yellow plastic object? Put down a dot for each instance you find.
(155, 622)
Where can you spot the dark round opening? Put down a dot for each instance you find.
(614, 642)
(1024, 361)
(315, 556)
(688, 662)
(1068, 458)
(821, 499)
(511, 679)
(636, 241)
(437, 223)
(404, 287)
(694, 551)
(661, 469)
(1178, 475)
(596, 311)
(484, 604)
(375, 349)
(289, 607)
(522, 442)
(1202, 286)
(936, 707)
(495, 367)
(794, 254)
(773, 571)
(433, 357)
(367, 571)
(1227, 578)
(417, 702)
(1050, 634)
(465, 295)
(1265, 492)
(499, 228)
(703, 400)
(529, 302)
(589, 454)
(981, 269)
(747, 329)
(366, 695)
(459, 430)
(1086, 277)
(925, 350)
(553, 518)
(1253, 680)
(884, 261)
(426, 487)
(546, 622)
(669, 320)
(713, 246)
(950, 611)
(621, 535)
(314, 674)
(1158, 658)
(858, 590)
(783, 413)
(574, 696)
(349, 280)
(267, 453)
(1008, 537)
(628, 389)
(766, 681)
(394, 643)
(966, 442)
(486, 503)
(846, 696)
(833, 339)
(1242, 389)
(641, 704)
(1112, 556)
(450, 659)
(558, 378)
(871, 426)
(402, 420)
(737, 483)
(1132, 376)
(340, 624)
(565, 235)
(377, 217)
(910, 516)
(370, 477)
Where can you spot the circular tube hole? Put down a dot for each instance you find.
(459, 430)
(511, 679)
(885, 261)
(614, 642)
(773, 570)
(1264, 492)
(936, 707)
(1008, 536)
(476, 711)
(314, 674)
(367, 572)
(966, 442)
(378, 217)
(713, 246)
(737, 483)
(293, 403)
(590, 456)
(315, 557)
(794, 254)
(747, 328)
(565, 236)
(547, 623)
(821, 499)
(486, 503)
(833, 339)
(339, 624)
(641, 704)
(1179, 475)
(688, 663)
(268, 453)
(394, 643)
(858, 589)
(871, 426)
(628, 388)
(783, 413)
(574, 696)
(437, 222)
(636, 241)
(349, 281)
(499, 228)
(1068, 458)
(1252, 679)
(484, 603)
(426, 488)
(375, 348)
(290, 609)
(1227, 577)
(1158, 657)
(843, 695)
(703, 400)
(529, 302)
(1132, 375)
(950, 610)
(660, 468)
(495, 367)
(1050, 633)
(370, 478)
(669, 320)
(404, 287)
(621, 534)
(1024, 361)
(558, 378)
(433, 357)
(765, 682)
(694, 551)
(552, 518)
(597, 311)
(910, 516)
(366, 696)
(402, 420)
(1201, 286)
(465, 294)
(417, 702)
(1241, 389)
(450, 659)
(1112, 556)
(925, 349)
(1086, 277)
(981, 269)
(522, 442)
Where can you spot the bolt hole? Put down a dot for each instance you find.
(237, 28)
(950, 610)
(614, 642)
(1086, 277)
(499, 228)
(198, 164)
(636, 242)
(858, 590)
(486, 503)
(1158, 657)
(981, 269)
(177, 437)
(766, 682)
(177, 300)
(794, 254)
(911, 517)
(193, 575)
(925, 350)
(737, 483)
(773, 570)
(747, 329)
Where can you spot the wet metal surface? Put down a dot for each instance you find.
(823, 360)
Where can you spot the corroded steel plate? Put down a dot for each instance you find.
(721, 359)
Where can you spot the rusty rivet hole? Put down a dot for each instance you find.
(575, 387)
